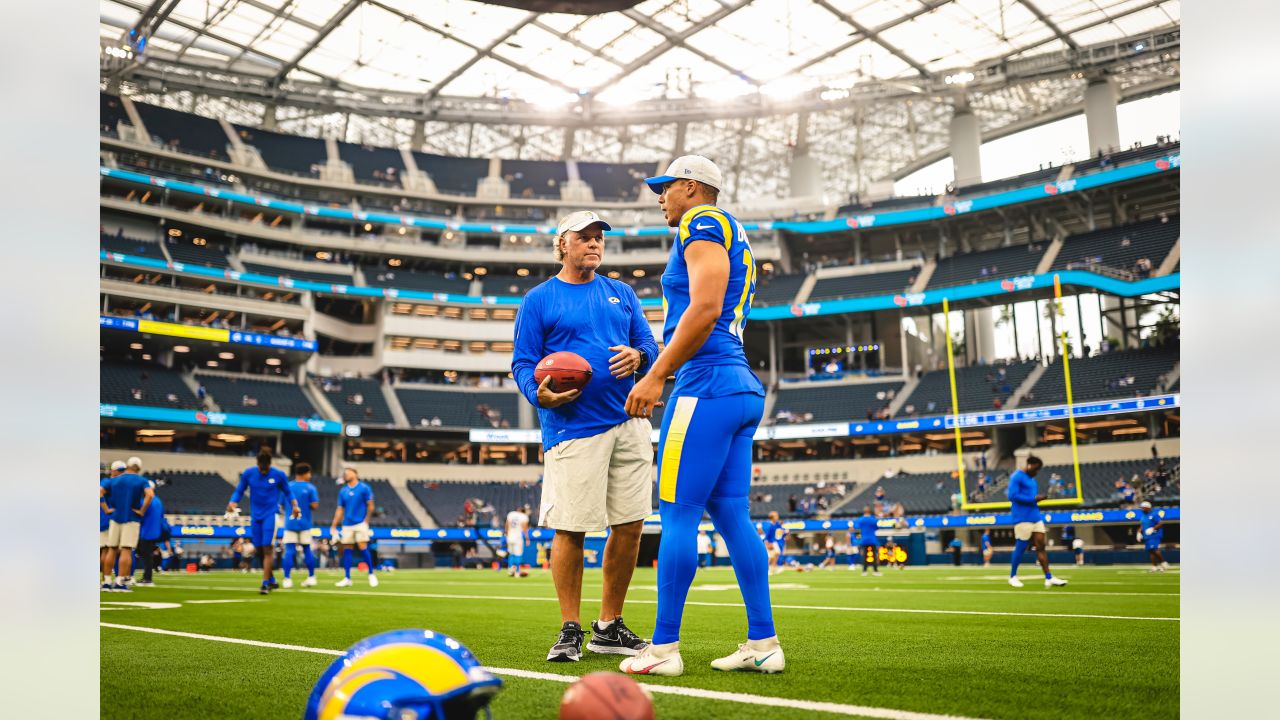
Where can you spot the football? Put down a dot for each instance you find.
(606, 695)
(568, 371)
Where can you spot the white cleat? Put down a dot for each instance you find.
(878, 574)
(1165, 565)
(286, 583)
(373, 580)
(1014, 581)
(344, 582)
(1054, 582)
(309, 582)
(763, 656)
(660, 660)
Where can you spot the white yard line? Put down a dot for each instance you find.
(744, 698)
(518, 598)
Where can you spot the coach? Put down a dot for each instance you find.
(598, 461)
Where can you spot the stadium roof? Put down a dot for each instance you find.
(662, 61)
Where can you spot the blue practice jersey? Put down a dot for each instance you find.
(866, 526)
(1149, 520)
(104, 518)
(152, 521)
(986, 541)
(1022, 497)
(585, 319)
(774, 533)
(265, 491)
(354, 501)
(720, 367)
(304, 493)
(125, 495)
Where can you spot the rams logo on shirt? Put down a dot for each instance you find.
(614, 300)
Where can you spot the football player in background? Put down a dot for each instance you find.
(775, 543)
(1153, 536)
(1028, 523)
(297, 531)
(355, 507)
(268, 487)
(517, 537)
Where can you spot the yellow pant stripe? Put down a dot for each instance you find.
(669, 468)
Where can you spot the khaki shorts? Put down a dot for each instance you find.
(123, 534)
(592, 483)
(300, 537)
(352, 534)
(1023, 530)
(104, 538)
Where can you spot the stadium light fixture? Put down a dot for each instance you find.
(181, 348)
(638, 272)
(481, 271)
(227, 355)
(135, 346)
(146, 356)
(960, 78)
(272, 361)
(211, 363)
(395, 262)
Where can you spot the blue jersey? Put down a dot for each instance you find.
(125, 495)
(986, 541)
(104, 518)
(585, 319)
(774, 533)
(354, 501)
(1149, 520)
(152, 521)
(304, 493)
(265, 491)
(1022, 497)
(866, 526)
(719, 367)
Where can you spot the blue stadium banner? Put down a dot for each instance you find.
(495, 536)
(200, 332)
(219, 419)
(816, 227)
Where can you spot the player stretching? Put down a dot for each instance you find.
(517, 538)
(268, 487)
(355, 505)
(870, 542)
(829, 553)
(704, 448)
(1028, 524)
(775, 543)
(1153, 536)
(297, 531)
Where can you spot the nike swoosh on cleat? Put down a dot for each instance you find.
(766, 657)
(645, 671)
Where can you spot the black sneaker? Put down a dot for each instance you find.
(617, 639)
(568, 647)
(264, 590)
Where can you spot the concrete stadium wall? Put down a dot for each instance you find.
(1106, 452)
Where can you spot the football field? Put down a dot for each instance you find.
(920, 643)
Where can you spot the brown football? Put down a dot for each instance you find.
(568, 371)
(606, 696)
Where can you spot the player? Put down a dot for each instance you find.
(829, 553)
(297, 531)
(128, 494)
(1028, 524)
(104, 519)
(355, 505)
(715, 408)
(1153, 536)
(869, 543)
(1077, 546)
(705, 557)
(266, 486)
(775, 544)
(599, 461)
(987, 549)
(891, 553)
(151, 538)
(517, 538)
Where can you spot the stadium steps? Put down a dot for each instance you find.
(189, 379)
(903, 395)
(854, 491)
(1171, 378)
(164, 250)
(141, 134)
(1034, 377)
(806, 289)
(321, 402)
(770, 399)
(1051, 253)
(393, 403)
(420, 514)
(926, 274)
(1170, 260)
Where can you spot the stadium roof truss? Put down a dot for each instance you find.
(867, 85)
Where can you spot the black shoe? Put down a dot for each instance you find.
(617, 639)
(568, 647)
(273, 584)
(264, 590)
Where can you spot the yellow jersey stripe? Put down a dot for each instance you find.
(736, 326)
(673, 447)
(707, 211)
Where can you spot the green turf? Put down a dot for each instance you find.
(972, 665)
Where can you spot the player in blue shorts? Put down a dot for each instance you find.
(1028, 523)
(869, 544)
(1153, 536)
(775, 543)
(704, 448)
(267, 487)
(297, 531)
(355, 507)
(829, 553)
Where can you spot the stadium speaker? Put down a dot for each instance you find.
(572, 7)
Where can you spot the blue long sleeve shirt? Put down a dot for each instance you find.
(266, 491)
(1022, 497)
(866, 526)
(585, 319)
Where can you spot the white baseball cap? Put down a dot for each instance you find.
(134, 461)
(118, 465)
(1145, 505)
(578, 221)
(688, 167)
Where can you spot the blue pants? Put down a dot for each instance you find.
(704, 456)
(262, 531)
